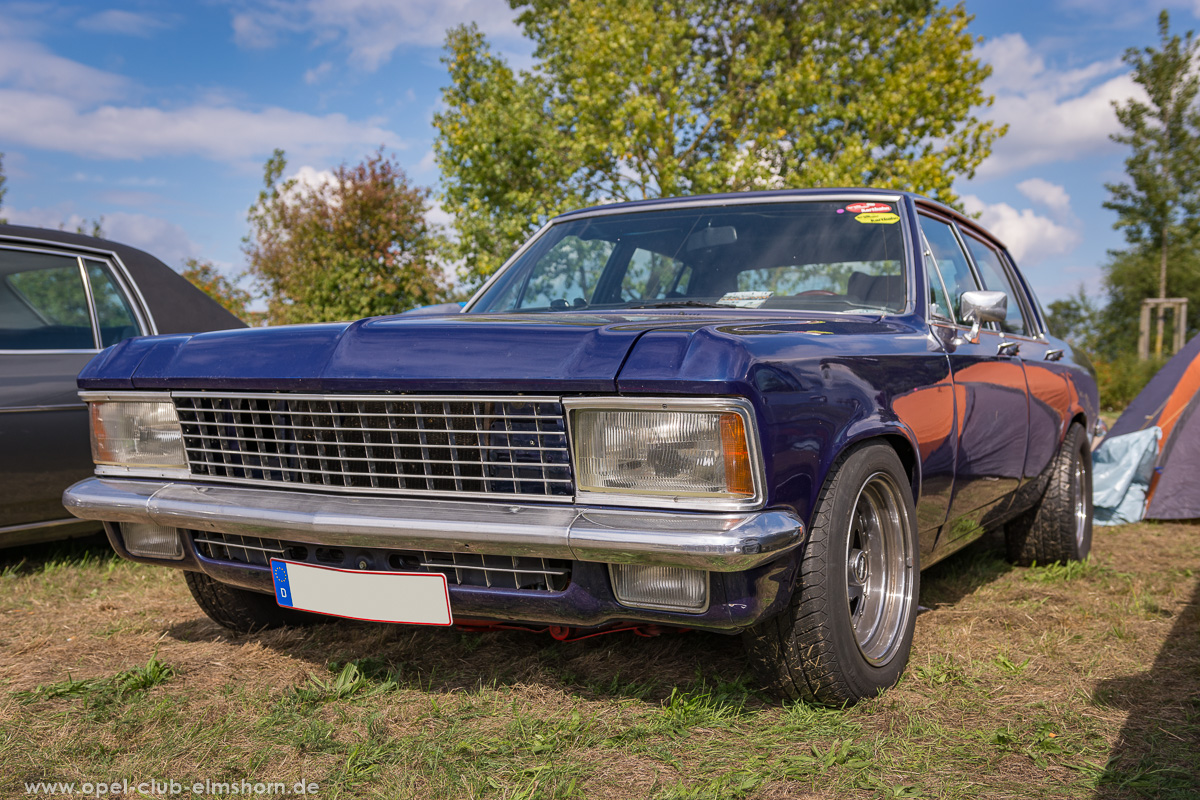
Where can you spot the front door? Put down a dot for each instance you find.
(990, 391)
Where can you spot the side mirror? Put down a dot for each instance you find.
(979, 307)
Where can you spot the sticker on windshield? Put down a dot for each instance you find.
(861, 208)
(744, 299)
(872, 217)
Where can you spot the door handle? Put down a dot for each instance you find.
(1008, 348)
(1054, 355)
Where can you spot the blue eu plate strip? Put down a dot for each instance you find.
(283, 591)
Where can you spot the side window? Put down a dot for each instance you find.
(991, 270)
(43, 305)
(112, 308)
(567, 274)
(949, 262)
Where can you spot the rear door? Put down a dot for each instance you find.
(57, 310)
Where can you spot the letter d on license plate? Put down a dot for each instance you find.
(413, 598)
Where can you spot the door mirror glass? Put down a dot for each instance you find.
(980, 306)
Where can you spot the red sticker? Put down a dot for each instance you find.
(868, 208)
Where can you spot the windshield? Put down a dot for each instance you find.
(815, 256)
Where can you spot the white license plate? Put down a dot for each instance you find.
(413, 598)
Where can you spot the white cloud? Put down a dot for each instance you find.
(310, 180)
(438, 217)
(315, 74)
(1030, 238)
(370, 29)
(126, 23)
(158, 237)
(428, 162)
(30, 66)
(1053, 115)
(1051, 195)
(53, 103)
(220, 133)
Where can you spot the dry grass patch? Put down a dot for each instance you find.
(1071, 682)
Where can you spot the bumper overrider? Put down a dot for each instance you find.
(741, 551)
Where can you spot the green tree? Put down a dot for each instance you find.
(1078, 319)
(356, 246)
(87, 227)
(205, 277)
(1158, 206)
(632, 99)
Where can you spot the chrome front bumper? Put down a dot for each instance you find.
(724, 542)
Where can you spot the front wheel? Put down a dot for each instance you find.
(240, 610)
(848, 629)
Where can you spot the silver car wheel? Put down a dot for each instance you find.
(1080, 502)
(879, 570)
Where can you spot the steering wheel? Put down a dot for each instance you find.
(814, 292)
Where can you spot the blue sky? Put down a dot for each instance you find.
(158, 115)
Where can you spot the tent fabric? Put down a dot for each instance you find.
(1171, 403)
(1176, 488)
(1122, 467)
(1146, 408)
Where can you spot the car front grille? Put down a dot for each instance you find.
(462, 446)
(461, 569)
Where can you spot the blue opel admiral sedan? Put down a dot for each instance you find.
(749, 413)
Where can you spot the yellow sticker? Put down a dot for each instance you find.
(877, 218)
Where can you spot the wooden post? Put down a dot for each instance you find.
(1180, 324)
(1144, 332)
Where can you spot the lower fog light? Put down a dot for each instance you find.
(661, 588)
(152, 541)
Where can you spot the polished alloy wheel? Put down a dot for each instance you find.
(1080, 502)
(879, 569)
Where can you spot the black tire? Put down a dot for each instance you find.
(813, 650)
(240, 610)
(1059, 526)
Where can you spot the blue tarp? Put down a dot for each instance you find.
(1121, 470)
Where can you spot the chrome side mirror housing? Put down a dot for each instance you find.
(978, 307)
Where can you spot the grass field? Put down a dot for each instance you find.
(1072, 682)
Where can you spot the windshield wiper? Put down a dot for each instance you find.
(674, 303)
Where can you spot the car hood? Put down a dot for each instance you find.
(460, 352)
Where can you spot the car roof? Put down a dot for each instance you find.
(778, 195)
(175, 304)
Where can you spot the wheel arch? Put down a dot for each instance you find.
(900, 440)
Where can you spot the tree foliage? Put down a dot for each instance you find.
(1077, 319)
(1158, 206)
(1163, 187)
(632, 99)
(355, 246)
(204, 276)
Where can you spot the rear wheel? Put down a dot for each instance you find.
(1059, 527)
(240, 610)
(848, 630)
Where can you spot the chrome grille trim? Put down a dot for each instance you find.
(527, 573)
(431, 445)
(226, 547)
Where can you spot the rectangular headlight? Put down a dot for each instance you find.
(702, 457)
(137, 433)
